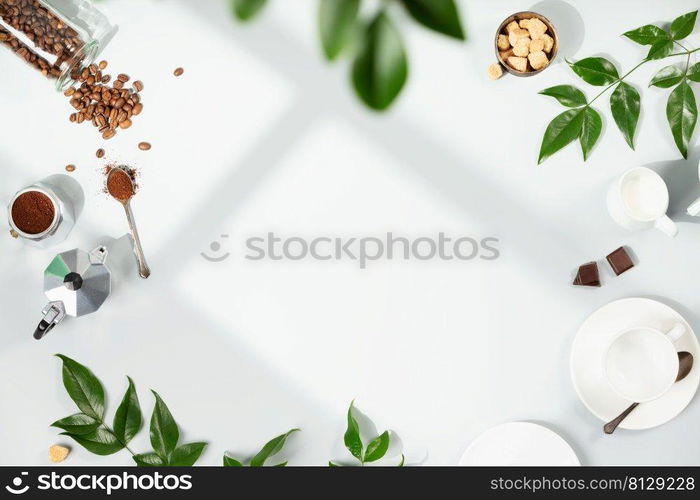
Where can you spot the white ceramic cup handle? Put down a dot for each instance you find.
(694, 208)
(666, 225)
(676, 332)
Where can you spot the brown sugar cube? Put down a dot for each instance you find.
(503, 43)
(536, 28)
(548, 43)
(506, 54)
(523, 23)
(522, 48)
(516, 35)
(537, 45)
(495, 71)
(58, 453)
(518, 63)
(538, 60)
(513, 25)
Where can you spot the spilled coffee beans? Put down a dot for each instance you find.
(108, 108)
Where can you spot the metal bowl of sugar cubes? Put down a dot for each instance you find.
(526, 44)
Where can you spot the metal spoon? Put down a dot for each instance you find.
(685, 364)
(144, 270)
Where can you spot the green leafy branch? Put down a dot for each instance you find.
(89, 429)
(584, 123)
(375, 449)
(272, 447)
(379, 68)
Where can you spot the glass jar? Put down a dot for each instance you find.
(57, 37)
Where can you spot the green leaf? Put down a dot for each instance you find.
(647, 35)
(402, 462)
(283, 464)
(377, 448)
(597, 71)
(682, 115)
(100, 442)
(682, 26)
(590, 131)
(660, 49)
(562, 130)
(272, 447)
(246, 10)
(438, 15)
(667, 77)
(353, 441)
(83, 388)
(568, 95)
(128, 419)
(186, 455)
(380, 69)
(337, 18)
(164, 431)
(77, 424)
(625, 104)
(331, 464)
(694, 72)
(150, 459)
(231, 462)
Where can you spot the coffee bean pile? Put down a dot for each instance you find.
(46, 31)
(108, 107)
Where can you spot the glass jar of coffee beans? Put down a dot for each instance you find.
(59, 38)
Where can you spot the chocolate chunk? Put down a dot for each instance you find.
(620, 261)
(587, 275)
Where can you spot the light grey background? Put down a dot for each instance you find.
(261, 135)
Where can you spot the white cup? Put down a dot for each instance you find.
(641, 363)
(639, 200)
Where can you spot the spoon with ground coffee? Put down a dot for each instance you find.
(120, 186)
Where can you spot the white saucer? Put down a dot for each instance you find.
(519, 443)
(587, 366)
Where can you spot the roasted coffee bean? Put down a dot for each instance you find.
(103, 64)
(69, 91)
(138, 107)
(100, 152)
(125, 124)
(70, 168)
(122, 77)
(47, 34)
(144, 146)
(138, 86)
(118, 84)
(108, 134)
(178, 72)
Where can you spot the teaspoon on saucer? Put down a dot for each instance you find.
(685, 365)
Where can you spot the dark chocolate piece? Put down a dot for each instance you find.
(587, 275)
(620, 261)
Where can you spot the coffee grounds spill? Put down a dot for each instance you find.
(33, 212)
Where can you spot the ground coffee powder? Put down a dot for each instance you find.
(120, 184)
(33, 212)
